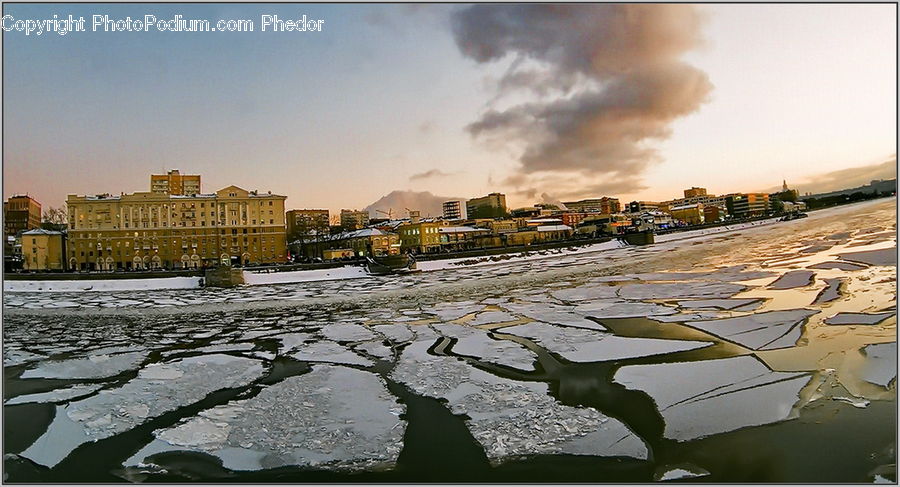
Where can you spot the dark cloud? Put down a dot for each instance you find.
(606, 80)
(432, 173)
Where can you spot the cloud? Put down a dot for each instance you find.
(603, 81)
(398, 201)
(432, 173)
(851, 177)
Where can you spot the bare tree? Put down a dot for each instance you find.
(55, 218)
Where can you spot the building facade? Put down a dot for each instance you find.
(175, 183)
(420, 237)
(642, 206)
(490, 206)
(43, 250)
(354, 220)
(747, 205)
(20, 213)
(694, 192)
(364, 242)
(689, 214)
(604, 205)
(157, 230)
(305, 224)
(453, 210)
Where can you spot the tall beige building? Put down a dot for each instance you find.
(159, 230)
(175, 183)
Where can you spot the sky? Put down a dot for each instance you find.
(539, 102)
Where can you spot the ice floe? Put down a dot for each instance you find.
(159, 388)
(698, 399)
(325, 351)
(478, 343)
(514, 418)
(726, 304)
(681, 290)
(554, 313)
(760, 331)
(93, 367)
(57, 395)
(793, 279)
(679, 472)
(612, 309)
(315, 419)
(581, 345)
(347, 332)
(831, 292)
(881, 363)
(844, 266)
(873, 257)
(858, 318)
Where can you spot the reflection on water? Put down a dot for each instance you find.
(717, 358)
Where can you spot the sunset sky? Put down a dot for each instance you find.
(636, 102)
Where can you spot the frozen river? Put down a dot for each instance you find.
(761, 354)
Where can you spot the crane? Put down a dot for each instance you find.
(389, 213)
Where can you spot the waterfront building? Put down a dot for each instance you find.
(572, 219)
(746, 205)
(600, 223)
(704, 199)
(605, 205)
(539, 234)
(43, 250)
(147, 230)
(354, 220)
(20, 213)
(462, 237)
(303, 224)
(658, 219)
(453, 210)
(420, 237)
(643, 206)
(175, 183)
(366, 242)
(712, 214)
(490, 206)
(694, 192)
(689, 214)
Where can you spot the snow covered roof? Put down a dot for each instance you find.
(364, 232)
(41, 231)
(461, 229)
(553, 228)
(684, 207)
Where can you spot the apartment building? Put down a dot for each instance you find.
(490, 206)
(150, 230)
(605, 205)
(43, 250)
(354, 220)
(175, 183)
(306, 224)
(453, 210)
(20, 213)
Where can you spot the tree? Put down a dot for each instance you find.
(55, 218)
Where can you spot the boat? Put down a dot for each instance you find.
(390, 264)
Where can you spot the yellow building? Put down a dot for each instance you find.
(365, 242)
(157, 230)
(175, 183)
(690, 214)
(42, 250)
(420, 237)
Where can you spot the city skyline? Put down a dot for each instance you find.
(235, 108)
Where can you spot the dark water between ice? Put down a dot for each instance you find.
(708, 371)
